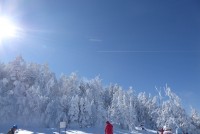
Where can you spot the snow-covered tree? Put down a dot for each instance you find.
(74, 110)
(195, 121)
(85, 113)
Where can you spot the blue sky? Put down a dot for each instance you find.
(138, 43)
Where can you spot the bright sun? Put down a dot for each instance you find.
(7, 28)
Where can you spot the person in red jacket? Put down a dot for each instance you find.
(108, 128)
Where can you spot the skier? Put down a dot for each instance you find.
(12, 130)
(142, 126)
(108, 128)
(161, 131)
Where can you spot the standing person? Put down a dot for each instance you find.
(161, 131)
(12, 130)
(142, 126)
(108, 128)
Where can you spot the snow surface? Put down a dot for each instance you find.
(79, 131)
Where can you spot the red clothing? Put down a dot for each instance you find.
(109, 128)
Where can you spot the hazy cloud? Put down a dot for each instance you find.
(95, 40)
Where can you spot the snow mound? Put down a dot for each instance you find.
(20, 131)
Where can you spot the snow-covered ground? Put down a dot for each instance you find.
(78, 131)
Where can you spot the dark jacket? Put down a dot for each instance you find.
(12, 131)
(161, 131)
(109, 128)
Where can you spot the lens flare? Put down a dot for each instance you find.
(7, 28)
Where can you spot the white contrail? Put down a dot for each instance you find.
(128, 51)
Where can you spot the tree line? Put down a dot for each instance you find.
(32, 95)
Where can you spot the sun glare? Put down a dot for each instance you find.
(7, 28)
